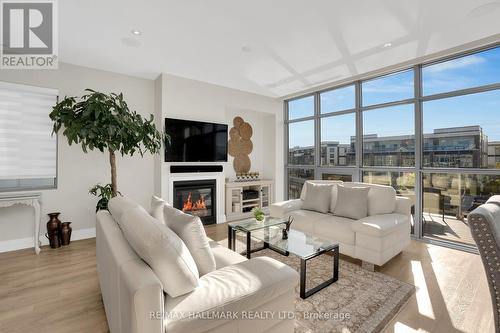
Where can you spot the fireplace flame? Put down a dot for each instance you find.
(189, 205)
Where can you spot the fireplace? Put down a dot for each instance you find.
(196, 197)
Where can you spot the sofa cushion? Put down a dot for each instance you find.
(190, 229)
(324, 182)
(381, 225)
(303, 220)
(333, 198)
(224, 256)
(162, 250)
(352, 202)
(335, 228)
(317, 197)
(241, 287)
(157, 205)
(118, 205)
(381, 198)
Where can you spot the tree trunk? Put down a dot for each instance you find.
(112, 162)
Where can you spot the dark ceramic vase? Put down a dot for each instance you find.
(65, 233)
(53, 230)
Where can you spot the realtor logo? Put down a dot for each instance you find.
(29, 34)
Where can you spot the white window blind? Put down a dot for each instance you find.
(28, 151)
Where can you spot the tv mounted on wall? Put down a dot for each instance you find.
(195, 141)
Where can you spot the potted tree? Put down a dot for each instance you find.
(105, 122)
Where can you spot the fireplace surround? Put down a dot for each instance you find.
(197, 197)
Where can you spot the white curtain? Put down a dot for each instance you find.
(28, 150)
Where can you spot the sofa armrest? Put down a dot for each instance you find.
(381, 225)
(143, 293)
(243, 287)
(403, 205)
(283, 208)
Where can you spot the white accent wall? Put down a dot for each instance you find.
(139, 178)
(195, 100)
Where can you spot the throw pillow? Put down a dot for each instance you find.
(317, 197)
(162, 250)
(190, 229)
(157, 205)
(119, 205)
(352, 202)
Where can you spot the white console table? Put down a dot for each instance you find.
(27, 199)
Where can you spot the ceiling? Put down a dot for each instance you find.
(272, 47)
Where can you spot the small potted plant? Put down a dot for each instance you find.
(104, 193)
(258, 214)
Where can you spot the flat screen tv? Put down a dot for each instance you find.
(195, 141)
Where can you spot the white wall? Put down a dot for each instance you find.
(194, 100)
(168, 96)
(77, 171)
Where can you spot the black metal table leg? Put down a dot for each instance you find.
(230, 237)
(303, 278)
(249, 245)
(233, 245)
(303, 274)
(336, 255)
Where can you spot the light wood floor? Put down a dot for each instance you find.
(58, 291)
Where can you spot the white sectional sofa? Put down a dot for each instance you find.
(374, 239)
(135, 298)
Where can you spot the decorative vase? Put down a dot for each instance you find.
(53, 230)
(65, 233)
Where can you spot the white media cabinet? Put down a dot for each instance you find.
(237, 207)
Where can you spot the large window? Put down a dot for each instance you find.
(394, 87)
(389, 136)
(474, 70)
(431, 131)
(458, 130)
(338, 138)
(296, 179)
(338, 99)
(300, 108)
(301, 143)
(28, 150)
(447, 200)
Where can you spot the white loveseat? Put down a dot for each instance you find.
(135, 301)
(375, 239)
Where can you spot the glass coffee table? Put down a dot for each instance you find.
(299, 243)
(248, 227)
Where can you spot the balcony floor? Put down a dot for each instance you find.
(449, 228)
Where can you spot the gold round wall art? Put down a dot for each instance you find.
(240, 145)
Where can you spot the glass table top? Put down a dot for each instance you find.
(253, 224)
(298, 242)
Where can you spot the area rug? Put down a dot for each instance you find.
(360, 301)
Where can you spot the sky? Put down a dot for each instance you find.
(481, 109)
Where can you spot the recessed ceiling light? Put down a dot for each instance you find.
(136, 32)
(387, 45)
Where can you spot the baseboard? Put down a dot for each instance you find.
(28, 242)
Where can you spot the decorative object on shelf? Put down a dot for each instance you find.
(258, 214)
(53, 230)
(104, 193)
(247, 176)
(105, 122)
(65, 233)
(287, 227)
(240, 145)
